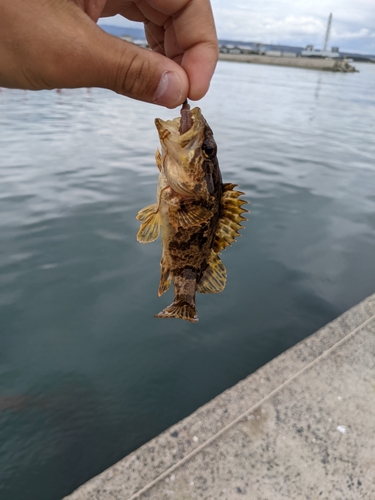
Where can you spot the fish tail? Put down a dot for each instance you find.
(180, 309)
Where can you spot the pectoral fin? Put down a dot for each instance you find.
(188, 216)
(150, 224)
(214, 278)
(231, 218)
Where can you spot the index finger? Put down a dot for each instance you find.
(193, 41)
(195, 33)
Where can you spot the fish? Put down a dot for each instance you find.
(196, 214)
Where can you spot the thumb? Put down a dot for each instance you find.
(69, 50)
(134, 71)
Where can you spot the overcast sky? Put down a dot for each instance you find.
(293, 22)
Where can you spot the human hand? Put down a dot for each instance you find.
(48, 44)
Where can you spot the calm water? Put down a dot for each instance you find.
(86, 373)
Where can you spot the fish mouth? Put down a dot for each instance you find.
(169, 130)
(182, 153)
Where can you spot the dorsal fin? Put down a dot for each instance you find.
(214, 277)
(230, 219)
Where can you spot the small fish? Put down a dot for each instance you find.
(197, 215)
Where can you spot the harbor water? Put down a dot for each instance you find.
(87, 374)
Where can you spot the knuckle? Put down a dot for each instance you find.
(135, 76)
(213, 46)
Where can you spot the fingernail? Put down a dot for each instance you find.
(169, 90)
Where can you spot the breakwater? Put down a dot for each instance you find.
(297, 62)
(299, 427)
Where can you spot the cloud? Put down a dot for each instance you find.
(293, 22)
(362, 33)
(298, 23)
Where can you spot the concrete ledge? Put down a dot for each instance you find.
(301, 427)
(295, 62)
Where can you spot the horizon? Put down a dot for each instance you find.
(139, 26)
(287, 22)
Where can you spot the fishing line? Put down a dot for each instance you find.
(150, 33)
(185, 104)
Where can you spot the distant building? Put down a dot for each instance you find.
(236, 49)
(245, 49)
(311, 52)
(225, 49)
(273, 53)
(259, 48)
(333, 53)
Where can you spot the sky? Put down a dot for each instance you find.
(292, 22)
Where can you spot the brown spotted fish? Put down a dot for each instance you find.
(196, 214)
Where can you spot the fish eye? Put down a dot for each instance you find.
(209, 149)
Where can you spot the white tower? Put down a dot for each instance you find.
(327, 32)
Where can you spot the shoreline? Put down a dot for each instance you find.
(341, 66)
(301, 425)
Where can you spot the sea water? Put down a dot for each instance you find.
(87, 374)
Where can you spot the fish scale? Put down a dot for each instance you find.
(196, 214)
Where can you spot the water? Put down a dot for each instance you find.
(86, 373)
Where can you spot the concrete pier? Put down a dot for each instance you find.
(295, 62)
(301, 427)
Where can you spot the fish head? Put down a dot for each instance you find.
(188, 158)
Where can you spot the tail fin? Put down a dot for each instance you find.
(180, 309)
